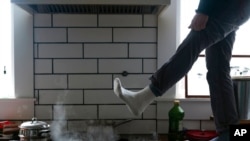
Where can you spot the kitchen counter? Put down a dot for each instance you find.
(9, 138)
(162, 137)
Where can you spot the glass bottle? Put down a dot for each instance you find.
(176, 115)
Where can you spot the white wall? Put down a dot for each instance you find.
(21, 108)
(168, 39)
(23, 52)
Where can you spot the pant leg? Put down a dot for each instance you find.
(187, 53)
(218, 27)
(221, 89)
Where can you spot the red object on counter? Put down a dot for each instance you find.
(2, 123)
(198, 135)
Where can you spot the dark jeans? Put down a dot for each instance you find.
(218, 39)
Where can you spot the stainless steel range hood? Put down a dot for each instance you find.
(93, 6)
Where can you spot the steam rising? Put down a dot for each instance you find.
(95, 132)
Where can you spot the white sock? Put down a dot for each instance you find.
(136, 102)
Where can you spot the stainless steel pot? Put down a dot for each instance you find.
(34, 131)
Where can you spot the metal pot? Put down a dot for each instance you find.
(34, 131)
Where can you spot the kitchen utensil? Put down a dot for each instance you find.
(34, 130)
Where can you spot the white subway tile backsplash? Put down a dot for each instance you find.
(59, 126)
(90, 81)
(90, 35)
(42, 20)
(150, 112)
(35, 50)
(120, 65)
(76, 58)
(149, 65)
(105, 50)
(135, 35)
(202, 109)
(142, 50)
(52, 35)
(75, 112)
(75, 66)
(208, 125)
(77, 126)
(115, 112)
(74, 20)
(36, 96)
(150, 20)
(191, 124)
(43, 66)
(60, 97)
(43, 112)
(120, 20)
(138, 127)
(101, 97)
(162, 126)
(50, 82)
(134, 81)
(163, 109)
(60, 51)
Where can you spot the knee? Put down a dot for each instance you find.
(212, 76)
(215, 76)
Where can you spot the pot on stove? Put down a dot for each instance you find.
(34, 131)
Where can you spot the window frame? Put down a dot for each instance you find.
(207, 96)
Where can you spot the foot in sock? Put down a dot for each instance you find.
(136, 102)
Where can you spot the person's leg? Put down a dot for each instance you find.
(228, 20)
(173, 70)
(220, 83)
(187, 53)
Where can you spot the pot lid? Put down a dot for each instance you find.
(34, 124)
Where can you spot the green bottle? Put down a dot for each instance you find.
(176, 115)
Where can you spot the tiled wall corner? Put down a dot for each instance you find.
(42, 20)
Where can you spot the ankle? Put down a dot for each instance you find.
(155, 90)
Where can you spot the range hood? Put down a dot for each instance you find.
(93, 6)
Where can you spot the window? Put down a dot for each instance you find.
(5, 51)
(195, 84)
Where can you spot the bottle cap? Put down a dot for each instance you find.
(176, 101)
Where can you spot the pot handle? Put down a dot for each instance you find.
(34, 119)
